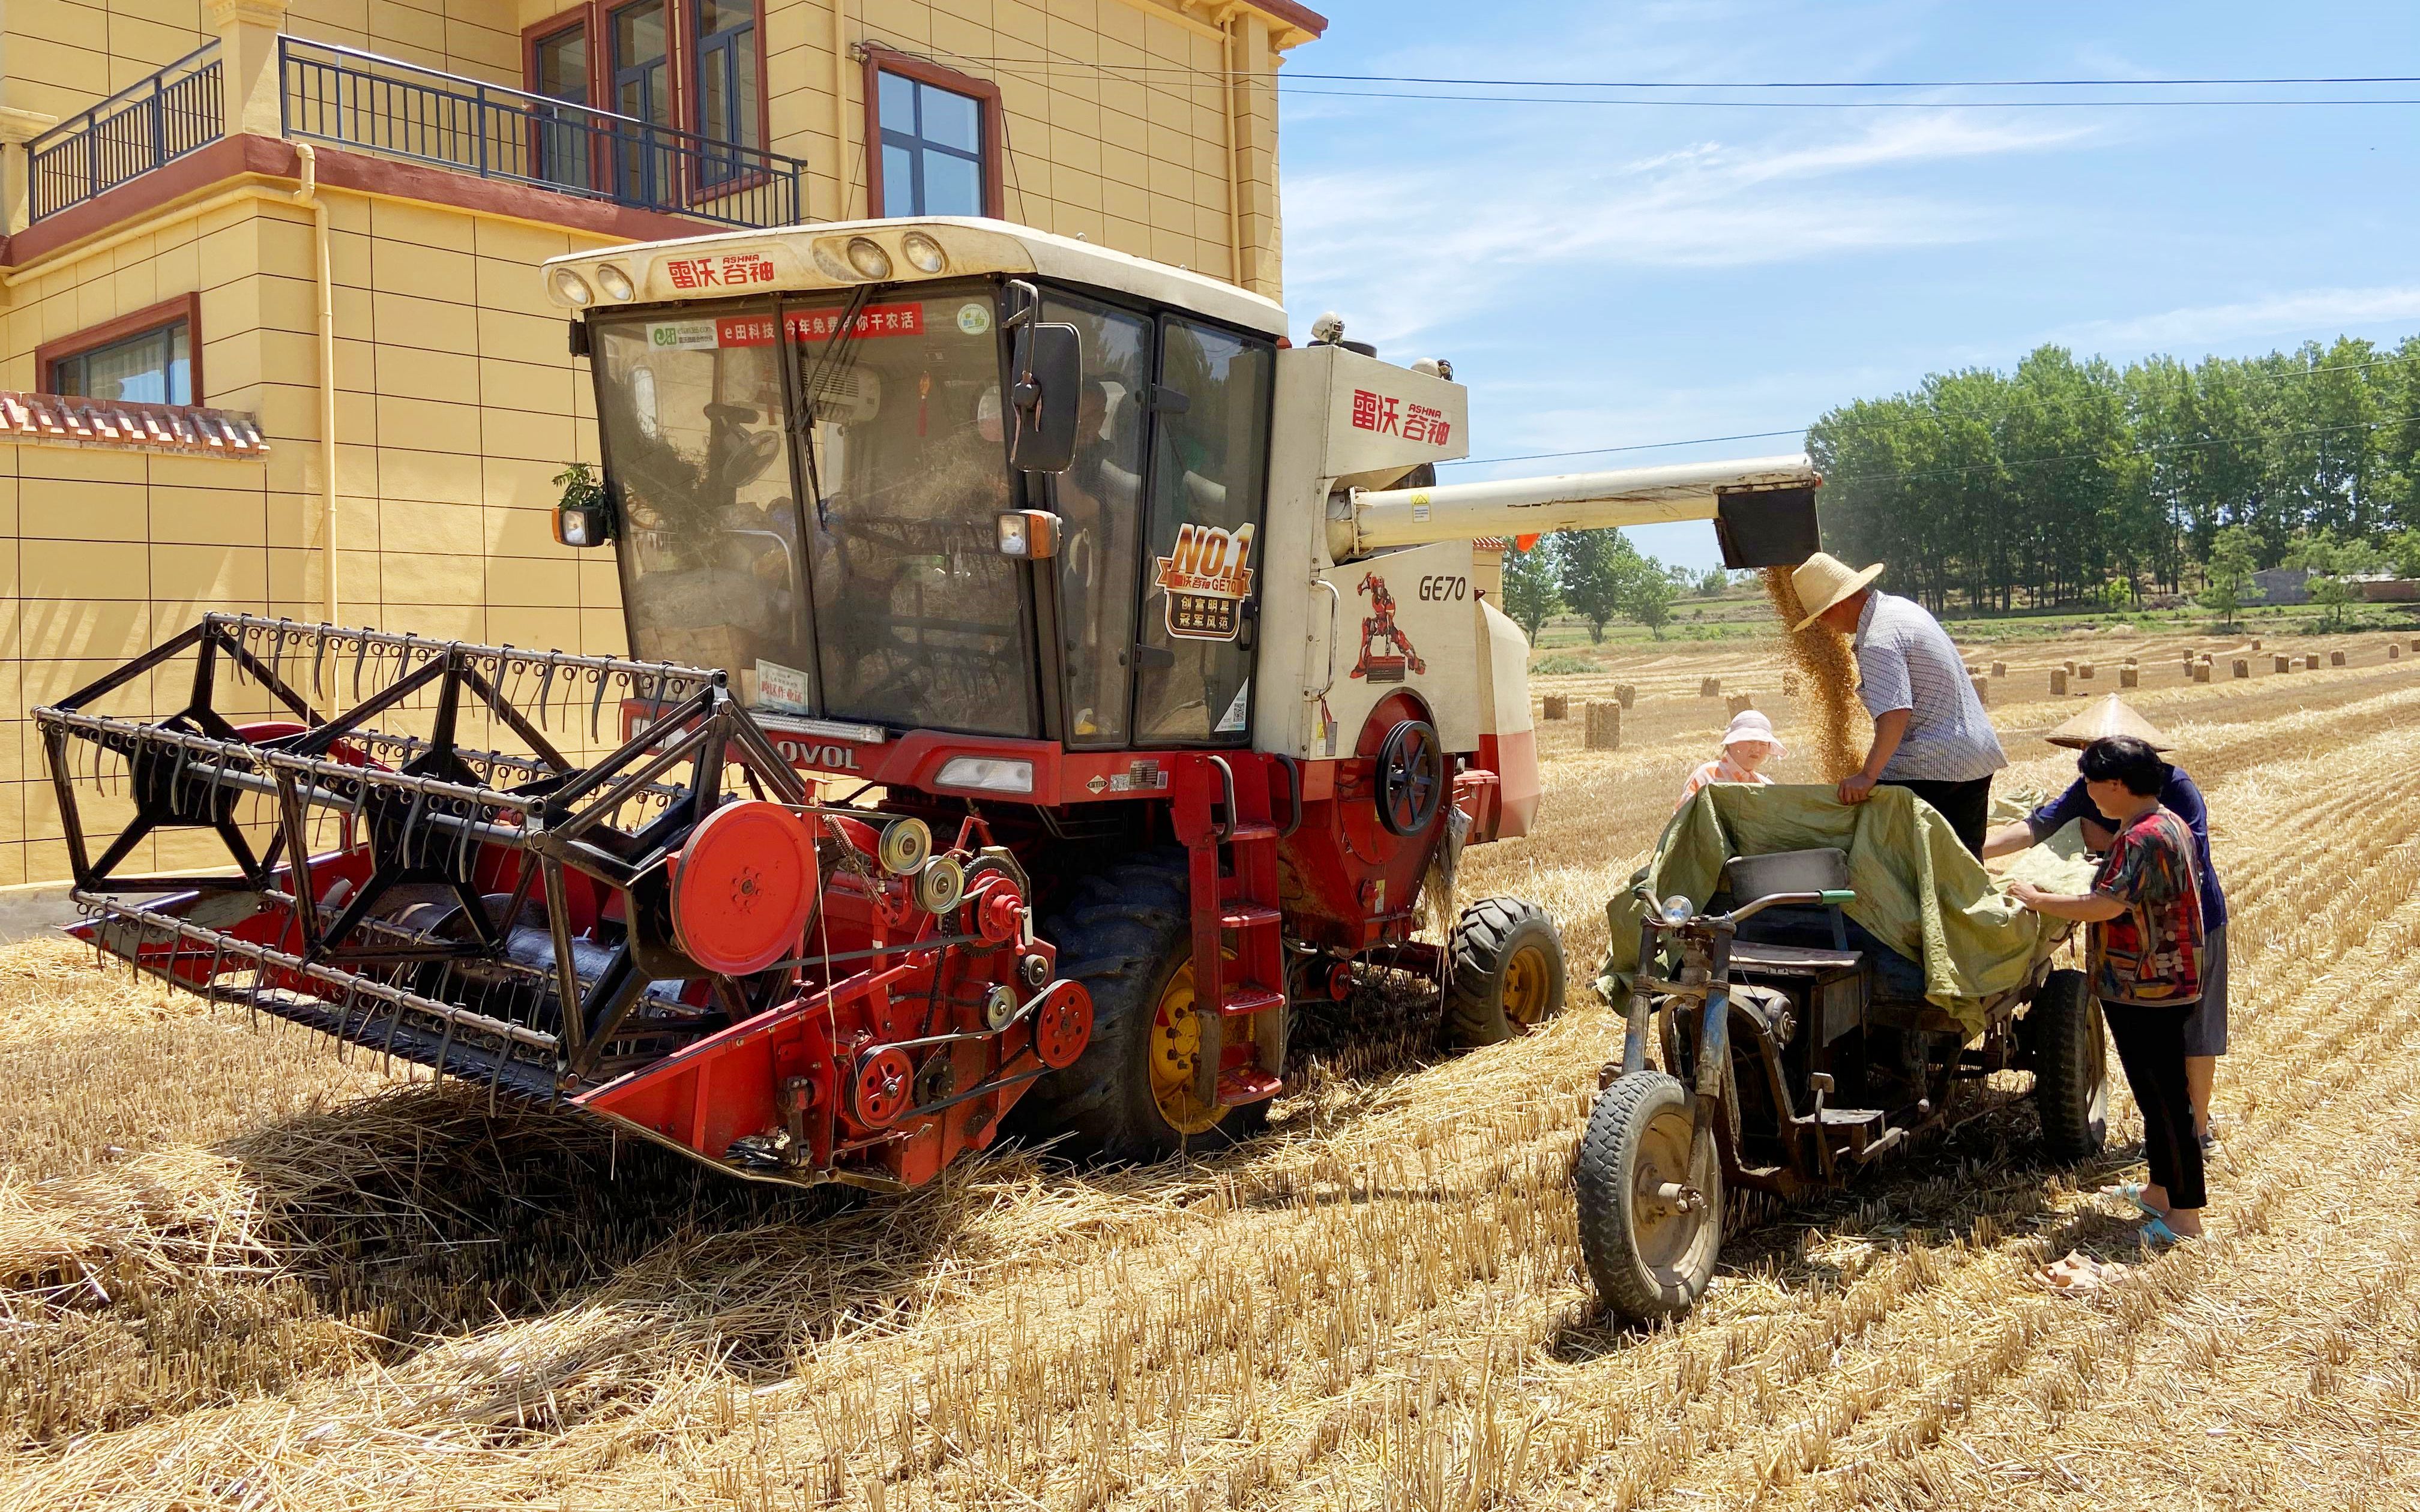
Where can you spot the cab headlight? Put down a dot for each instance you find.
(924, 252)
(572, 288)
(614, 282)
(986, 773)
(1676, 911)
(866, 255)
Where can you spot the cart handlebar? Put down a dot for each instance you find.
(1663, 912)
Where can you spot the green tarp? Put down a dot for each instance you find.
(1918, 888)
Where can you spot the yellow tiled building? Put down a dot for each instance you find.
(283, 262)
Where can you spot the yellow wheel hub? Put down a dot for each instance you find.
(1524, 986)
(1175, 1048)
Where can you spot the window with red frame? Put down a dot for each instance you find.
(695, 65)
(933, 138)
(144, 357)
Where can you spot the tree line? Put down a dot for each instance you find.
(2079, 480)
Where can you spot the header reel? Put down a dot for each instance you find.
(676, 936)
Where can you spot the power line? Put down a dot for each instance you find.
(1935, 413)
(2279, 81)
(1839, 104)
(1601, 451)
(2138, 451)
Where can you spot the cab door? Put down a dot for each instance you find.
(1099, 501)
(1201, 565)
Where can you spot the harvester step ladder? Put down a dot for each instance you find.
(1232, 836)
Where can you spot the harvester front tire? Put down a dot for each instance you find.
(2070, 1067)
(1507, 963)
(1650, 1259)
(1128, 935)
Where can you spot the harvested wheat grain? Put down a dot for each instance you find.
(1827, 666)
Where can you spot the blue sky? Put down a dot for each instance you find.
(1612, 275)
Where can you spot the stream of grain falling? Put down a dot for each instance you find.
(1826, 664)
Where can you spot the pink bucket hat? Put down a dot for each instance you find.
(1751, 724)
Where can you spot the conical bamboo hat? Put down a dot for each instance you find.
(2109, 717)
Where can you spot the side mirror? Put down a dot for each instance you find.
(1048, 359)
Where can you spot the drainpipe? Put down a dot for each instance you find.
(1226, 82)
(308, 195)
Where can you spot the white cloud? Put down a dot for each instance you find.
(1460, 237)
(2315, 313)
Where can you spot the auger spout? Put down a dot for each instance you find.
(1751, 496)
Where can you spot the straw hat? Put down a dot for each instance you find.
(2109, 717)
(1749, 724)
(1822, 580)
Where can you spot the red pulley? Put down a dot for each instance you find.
(1340, 981)
(1063, 1025)
(998, 912)
(881, 1090)
(742, 888)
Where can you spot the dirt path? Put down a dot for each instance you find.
(255, 1303)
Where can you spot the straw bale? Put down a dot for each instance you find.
(1558, 706)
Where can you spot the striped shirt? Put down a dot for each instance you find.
(1905, 660)
(1723, 769)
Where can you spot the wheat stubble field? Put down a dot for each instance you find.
(235, 1273)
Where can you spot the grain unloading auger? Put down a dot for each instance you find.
(678, 938)
(1037, 546)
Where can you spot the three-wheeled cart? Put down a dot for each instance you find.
(1796, 1049)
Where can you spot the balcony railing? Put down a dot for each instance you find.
(358, 99)
(134, 131)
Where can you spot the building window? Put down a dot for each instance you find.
(145, 358)
(935, 138)
(693, 65)
(725, 48)
(559, 70)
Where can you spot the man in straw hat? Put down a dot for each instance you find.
(1931, 734)
(2206, 1026)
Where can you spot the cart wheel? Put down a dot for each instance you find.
(2070, 1067)
(1651, 1204)
(1508, 972)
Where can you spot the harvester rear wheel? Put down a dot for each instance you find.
(1125, 933)
(1506, 960)
(2070, 1057)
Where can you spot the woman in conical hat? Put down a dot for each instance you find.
(2206, 1028)
(2107, 716)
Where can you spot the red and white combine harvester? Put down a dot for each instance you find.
(997, 749)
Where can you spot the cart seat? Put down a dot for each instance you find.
(1812, 927)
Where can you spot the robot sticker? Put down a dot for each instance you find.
(1379, 633)
(1206, 580)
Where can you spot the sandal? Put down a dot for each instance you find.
(2133, 1191)
(2158, 1235)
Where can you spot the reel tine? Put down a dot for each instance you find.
(411, 823)
(361, 654)
(597, 706)
(318, 660)
(545, 688)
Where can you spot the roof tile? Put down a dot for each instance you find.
(180, 428)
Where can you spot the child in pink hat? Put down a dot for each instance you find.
(1747, 745)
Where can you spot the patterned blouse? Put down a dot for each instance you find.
(1722, 769)
(2150, 956)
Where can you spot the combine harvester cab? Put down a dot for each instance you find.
(1061, 556)
(679, 938)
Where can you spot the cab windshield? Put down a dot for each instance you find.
(810, 493)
